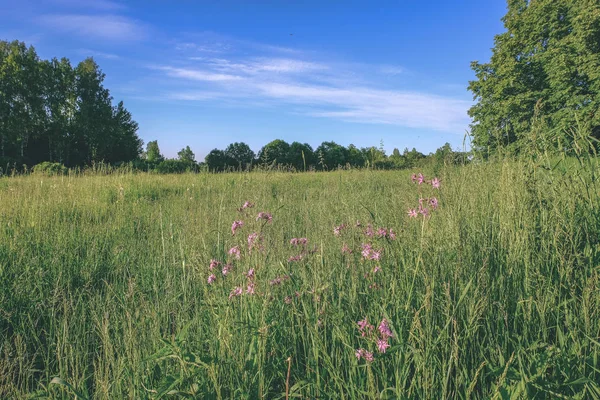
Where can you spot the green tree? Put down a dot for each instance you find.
(186, 154)
(331, 155)
(153, 152)
(544, 70)
(301, 156)
(277, 151)
(217, 161)
(239, 155)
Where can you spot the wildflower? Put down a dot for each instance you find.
(382, 345)
(369, 232)
(363, 324)
(433, 202)
(235, 251)
(366, 250)
(384, 329)
(435, 183)
(288, 300)
(376, 269)
(213, 264)
(420, 179)
(235, 226)
(424, 211)
(226, 269)
(236, 292)
(250, 289)
(412, 213)
(362, 353)
(299, 257)
(275, 282)
(375, 255)
(346, 249)
(337, 230)
(413, 178)
(392, 235)
(264, 215)
(253, 239)
(382, 232)
(298, 241)
(247, 204)
(250, 273)
(211, 278)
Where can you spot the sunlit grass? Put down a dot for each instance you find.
(103, 284)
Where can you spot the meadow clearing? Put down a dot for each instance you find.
(107, 289)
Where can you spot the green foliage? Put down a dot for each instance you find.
(331, 156)
(186, 154)
(153, 153)
(239, 156)
(545, 70)
(50, 169)
(172, 166)
(275, 152)
(50, 111)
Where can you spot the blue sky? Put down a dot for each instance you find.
(208, 73)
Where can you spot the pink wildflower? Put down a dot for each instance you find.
(337, 230)
(236, 225)
(370, 232)
(226, 269)
(382, 345)
(213, 264)
(247, 204)
(376, 269)
(435, 183)
(253, 239)
(250, 273)
(433, 202)
(211, 278)
(384, 329)
(413, 178)
(346, 249)
(424, 211)
(299, 257)
(412, 213)
(288, 300)
(366, 250)
(264, 215)
(362, 353)
(362, 325)
(382, 232)
(236, 292)
(420, 179)
(392, 235)
(298, 241)
(275, 282)
(250, 289)
(375, 255)
(235, 251)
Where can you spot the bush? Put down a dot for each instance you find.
(176, 167)
(50, 169)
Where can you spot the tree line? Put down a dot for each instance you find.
(296, 156)
(51, 111)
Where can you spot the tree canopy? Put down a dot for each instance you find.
(50, 111)
(544, 73)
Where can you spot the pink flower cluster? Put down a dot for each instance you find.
(235, 252)
(424, 209)
(254, 241)
(264, 216)
(337, 230)
(369, 253)
(420, 179)
(299, 241)
(362, 353)
(381, 338)
(235, 226)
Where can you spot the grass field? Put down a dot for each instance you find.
(104, 286)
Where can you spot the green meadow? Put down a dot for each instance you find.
(104, 290)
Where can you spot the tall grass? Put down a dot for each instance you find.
(104, 293)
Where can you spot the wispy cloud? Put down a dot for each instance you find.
(107, 27)
(98, 54)
(106, 5)
(198, 75)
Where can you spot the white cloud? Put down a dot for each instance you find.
(108, 27)
(98, 54)
(198, 75)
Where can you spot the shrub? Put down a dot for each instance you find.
(50, 168)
